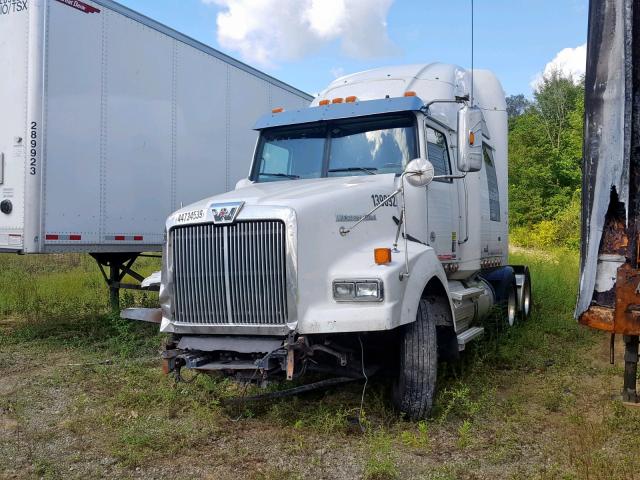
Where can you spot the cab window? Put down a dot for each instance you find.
(437, 152)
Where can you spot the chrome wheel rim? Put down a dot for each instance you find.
(512, 308)
(526, 300)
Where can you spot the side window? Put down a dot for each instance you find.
(492, 183)
(437, 152)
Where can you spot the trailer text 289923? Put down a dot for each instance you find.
(33, 144)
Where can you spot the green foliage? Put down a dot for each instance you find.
(381, 463)
(563, 230)
(545, 151)
(464, 435)
(417, 437)
(517, 105)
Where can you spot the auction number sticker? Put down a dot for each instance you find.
(190, 216)
(12, 6)
(385, 200)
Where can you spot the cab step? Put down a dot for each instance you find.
(466, 294)
(468, 335)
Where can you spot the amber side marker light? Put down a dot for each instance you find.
(337, 100)
(472, 138)
(410, 93)
(382, 256)
(277, 110)
(323, 102)
(351, 99)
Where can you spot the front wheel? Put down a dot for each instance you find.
(415, 385)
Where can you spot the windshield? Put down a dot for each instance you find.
(368, 146)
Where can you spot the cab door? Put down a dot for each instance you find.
(442, 197)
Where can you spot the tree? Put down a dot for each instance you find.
(555, 98)
(517, 105)
(545, 150)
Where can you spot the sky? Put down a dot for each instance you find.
(308, 43)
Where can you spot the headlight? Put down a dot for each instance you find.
(357, 290)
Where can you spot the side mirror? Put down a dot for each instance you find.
(419, 172)
(470, 121)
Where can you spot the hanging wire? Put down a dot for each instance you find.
(472, 53)
(366, 380)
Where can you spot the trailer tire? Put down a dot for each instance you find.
(414, 388)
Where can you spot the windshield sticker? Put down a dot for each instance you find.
(342, 217)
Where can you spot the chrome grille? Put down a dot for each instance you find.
(230, 274)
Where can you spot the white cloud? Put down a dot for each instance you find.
(271, 31)
(570, 62)
(337, 72)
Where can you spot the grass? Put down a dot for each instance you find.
(82, 395)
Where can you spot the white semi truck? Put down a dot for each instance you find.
(370, 233)
(109, 121)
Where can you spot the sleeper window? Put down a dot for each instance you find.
(437, 152)
(492, 183)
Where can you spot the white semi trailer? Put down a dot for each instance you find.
(109, 121)
(371, 232)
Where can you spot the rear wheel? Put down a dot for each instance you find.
(525, 296)
(415, 385)
(505, 292)
(511, 305)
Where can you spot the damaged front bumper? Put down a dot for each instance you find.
(258, 357)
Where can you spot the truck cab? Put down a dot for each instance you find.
(372, 225)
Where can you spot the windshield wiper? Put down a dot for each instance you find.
(283, 175)
(369, 170)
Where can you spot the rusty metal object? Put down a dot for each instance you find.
(614, 237)
(627, 311)
(625, 317)
(609, 295)
(290, 362)
(600, 318)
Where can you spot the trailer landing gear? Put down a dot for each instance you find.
(119, 265)
(629, 394)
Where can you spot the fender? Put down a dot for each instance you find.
(424, 266)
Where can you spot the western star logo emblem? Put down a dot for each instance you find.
(224, 213)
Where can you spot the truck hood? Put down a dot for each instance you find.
(318, 253)
(344, 199)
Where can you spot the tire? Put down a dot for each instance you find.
(511, 306)
(526, 298)
(505, 291)
(415, 385)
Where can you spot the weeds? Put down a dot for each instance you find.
(533, 401)
(380, 463)
(416, 438)
(464, 435)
